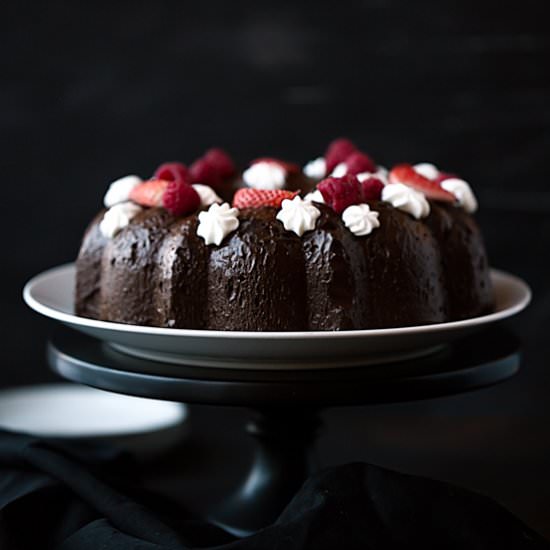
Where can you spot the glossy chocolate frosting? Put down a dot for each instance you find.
(158, 272)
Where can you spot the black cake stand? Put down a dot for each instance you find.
(284, 403)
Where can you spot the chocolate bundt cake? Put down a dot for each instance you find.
(296, 250)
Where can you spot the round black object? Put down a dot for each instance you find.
(473, 362)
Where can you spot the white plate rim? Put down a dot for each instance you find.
(521, 287)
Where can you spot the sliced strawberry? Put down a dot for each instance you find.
(149, 193)
(176, 196)
(180, 198)
(254, 198)
(337, 152)
(406, 174)
(290, 167)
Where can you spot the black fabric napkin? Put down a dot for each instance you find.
(81, 496)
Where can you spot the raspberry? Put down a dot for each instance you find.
(406, 174)
(290, 167)
(221, 162)
(171, 171)
(212, 169)
(254, 198)
(337, 152)
(180, 198)
(202, 171)
(371, 189)
(339, 193)
(359, 162)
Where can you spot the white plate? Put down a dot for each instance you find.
(73, 411)
(51, 294)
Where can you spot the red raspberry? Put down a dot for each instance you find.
(339, 193)
(337, 152)
(213, 168)
(171, 171)
(371, 189)
(359, 162)
(254, 198)
(221, 162)
(180, 198)
(202, 171)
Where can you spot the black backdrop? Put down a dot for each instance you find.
(93, 91)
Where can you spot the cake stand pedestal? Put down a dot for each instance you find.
(285, 403)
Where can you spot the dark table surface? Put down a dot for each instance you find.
(91, 93)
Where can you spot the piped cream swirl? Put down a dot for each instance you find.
(206, 194)
(360, 219)
(407, 199)
(315, 196)
(119, 190)
(118, 217)
(217, 222)
(298, 215)
(316, 168)
(265, 175)
(463, 192)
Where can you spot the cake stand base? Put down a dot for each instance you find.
(285, 404)
(280, 466)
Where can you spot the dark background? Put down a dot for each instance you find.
(91, 92)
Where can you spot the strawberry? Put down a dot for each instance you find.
(359, 162)
(339, 193)
(176, 196)
(171, 171)
(254, 198)
(371, 189)
(290, 167)
(406, 174)
(221, 162)
(149, 193)
(337, 152)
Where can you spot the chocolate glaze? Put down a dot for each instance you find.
(130, 270)
(464, 261)
(227, 189)
(335, 269)
(88, 268)
(298, 181)
(157, 271)
(256, 278)
(404, 282)
(182, 281)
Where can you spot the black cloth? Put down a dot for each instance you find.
(80, 496)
